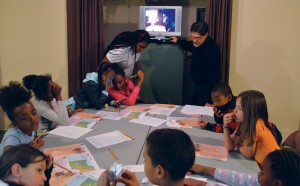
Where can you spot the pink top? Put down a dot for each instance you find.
(129, 93)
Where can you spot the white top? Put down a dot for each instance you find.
(125, 57)
(51, 114)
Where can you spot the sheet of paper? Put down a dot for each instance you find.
(182, 122)
(110, 115)
(197, 110)
(70, 131)
(211, 151)
(137, 108)
(85, 115)
(107, 139)
(136, 115)
(68, 150)
(168, 106)
(82, 180)
(162, 111)
(84, 123)
(150, 121)
(135, 168)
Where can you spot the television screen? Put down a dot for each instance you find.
(161, 21)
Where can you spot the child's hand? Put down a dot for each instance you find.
(228, 118)
(140, 75)
(217, 112)
(128, 178)
(202, 123)
(71, 113)
(49, 160)
(56, 91)
(196, 169)
(38, 143)
(117, 103)
(103, 180)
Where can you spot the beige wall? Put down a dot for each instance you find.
(33, 40)
(265, 56)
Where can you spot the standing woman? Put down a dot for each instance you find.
(125, 50)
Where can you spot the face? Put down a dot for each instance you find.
(119, 82)
(238, 112)
(198, 39)
(107, 78)
(148, 167)
(140, 46)
(26, 118)
(219, 99)
(265, 177)
(33, 174)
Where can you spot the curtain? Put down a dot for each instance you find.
(218, 17)
(85, 28)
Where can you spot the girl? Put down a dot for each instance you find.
(280, 168)
(14, 100)
(23, 165)
(93, 93)
(124, 90)
(125, 50)
(253, 136)
(48, 103)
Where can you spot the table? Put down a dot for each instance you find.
(131, 152)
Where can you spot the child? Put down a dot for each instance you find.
(124, 90)
(223, 102)
(280, 168)
(23, 165)
(48, 103)
(253, 136)
(168, 155)
(125, 50)
(93, 93)
(14, 100)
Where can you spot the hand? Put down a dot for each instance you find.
(197, 169)
(217, 112)
(173, 39)
(56, 91)
(38, 143)
(128, 178)
(71, 113)
(228, 118)
(140, 75)
(49, 160)
(202, 123)
(118, 103)
(104, 181)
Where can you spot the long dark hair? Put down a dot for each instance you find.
(128, 39)
(39, 84)
(23, 154)
(254, 107)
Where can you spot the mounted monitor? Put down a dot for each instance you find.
(161, 21)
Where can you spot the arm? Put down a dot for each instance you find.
(248, 151)
(210, 126)
(185, 45)
(131, 99)
(230, 141)
(93, 92)
(236, 178)
(138, 65)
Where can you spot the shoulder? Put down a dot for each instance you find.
(119, 51)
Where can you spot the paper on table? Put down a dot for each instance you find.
(136, 115)
(110, 115)
(68, 150)
(182, 122)
(84, 115)
(135, 168)
(138, 108)
(197, 110)
(211, 151)
(84, 123)
(70, 131)
(162, 111)
(169, 106)
(150, 121)
(107, 139)
(81, 180)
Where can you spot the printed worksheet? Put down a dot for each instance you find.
(86, 115)
(150, 121)
(211, 151)
(70, 131)
(182, 122)
(162, 111)
(197, 110)
(84, 123)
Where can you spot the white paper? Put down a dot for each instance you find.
(70, 131)
(82, 179)
(107, 139)
(135, 168)
(197, 110)
(171, 122)
(110, 115)
(150, 121)
(162, 111)
(197, 177)
(84, 123)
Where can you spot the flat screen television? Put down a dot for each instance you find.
(161, 21)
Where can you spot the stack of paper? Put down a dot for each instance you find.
(197, 110)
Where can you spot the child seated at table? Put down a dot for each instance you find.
(15, 101)
(280, 168)
(124, 90)
(223, 102)
(24, 165)
(253, 136)
(168, 155)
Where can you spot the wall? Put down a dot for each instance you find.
(265, 56)
(33, 40)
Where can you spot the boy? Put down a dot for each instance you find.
(168, 155)
(223, 102)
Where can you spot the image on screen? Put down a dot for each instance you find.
(160, 20)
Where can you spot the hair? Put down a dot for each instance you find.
(22, 154)
(38, 84)
(126, 39)
(172, 149)
(254, 107)
(223, 88)
(12, 96)
(285, 165)
(105, 67)
(200, 27)
(119, 71)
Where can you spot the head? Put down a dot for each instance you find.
(24, 165)
(106, 73)
(40, 85)
(137, 40)
(199, 33)
(15, 101)
(168, 155)
(119, 80)
(280, 168)
(221, 94)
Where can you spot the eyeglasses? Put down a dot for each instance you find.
(196, 38)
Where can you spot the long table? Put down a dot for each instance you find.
(131, 152)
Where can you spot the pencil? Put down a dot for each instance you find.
(127, 135)
(62, 167)
(113, 153)
(39, 136)
(133, 76)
